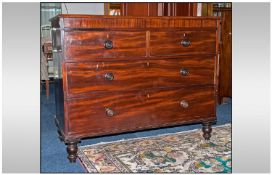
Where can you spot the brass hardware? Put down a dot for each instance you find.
(147, 64)
(109, 76)
(184, 104)
(109, 112)
(184, 72)
(108, 44)
(185, 43)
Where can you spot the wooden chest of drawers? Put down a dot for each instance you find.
(119, 74)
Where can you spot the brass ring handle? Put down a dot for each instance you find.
(184, 104)
(109, 76)
(184, 72)
(108, 44)
(109, 112)
(185, 43)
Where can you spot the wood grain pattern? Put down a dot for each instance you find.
(136, 75)
(147, 89)
(130, 22)
(168, 43)
(82, 45)
(144, 109)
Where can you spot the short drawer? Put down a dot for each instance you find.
(182, 43)
(135, 75)
(115, 112)
(89, 45)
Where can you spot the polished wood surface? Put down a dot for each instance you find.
(169, 43)
(85, 45)
(120, 74)
(99, 22)
(143, 109)
(136, 75)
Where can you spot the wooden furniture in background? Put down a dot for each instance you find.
(225, 63)
(140, 9)
(47, 53)
(132, 9)
(120, 74)
(207, 9)
(160, 9)
(178, 9)
(153, 9)
(112, 9)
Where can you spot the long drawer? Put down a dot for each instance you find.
(89, 45)
(135, 75)
(170, 43)
(114, 112)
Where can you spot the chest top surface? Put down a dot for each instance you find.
(77, 21)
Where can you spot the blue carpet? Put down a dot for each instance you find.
(53, 151)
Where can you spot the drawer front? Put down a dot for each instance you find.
(182, 43)
(116, 112)
(136, 75)
(86, 45)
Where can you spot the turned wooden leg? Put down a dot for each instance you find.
(72, 150)
(207, 130)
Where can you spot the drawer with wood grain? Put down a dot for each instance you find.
(114, 112)
(86, 45)
(135, 75)
(167, 43)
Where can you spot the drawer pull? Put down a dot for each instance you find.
(109, 76)
(184, 72)
(108, 44)
(185, 43)
(109, 112)
(184, 104)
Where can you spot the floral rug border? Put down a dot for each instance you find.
(91, 168)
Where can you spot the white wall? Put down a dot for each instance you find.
(83, 8)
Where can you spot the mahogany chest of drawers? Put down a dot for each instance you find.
(119, 74)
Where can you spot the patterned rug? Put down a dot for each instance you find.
(184, 152)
